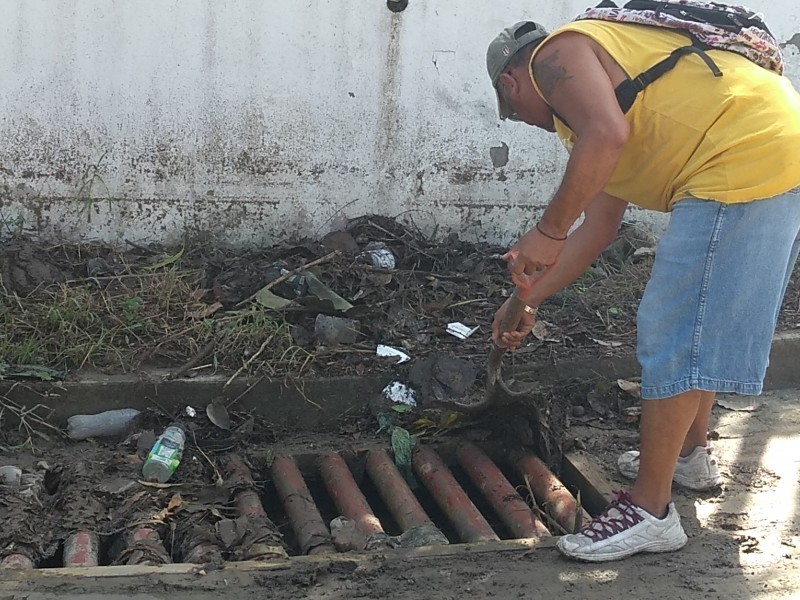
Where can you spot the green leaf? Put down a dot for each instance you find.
(269, 300)
(30, 371)
(402, 408)
(402, 444)
(385, 421)
(323, 292)
(170, 260)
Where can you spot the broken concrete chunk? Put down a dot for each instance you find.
(331, 331)
(439, 377)
(347, 537)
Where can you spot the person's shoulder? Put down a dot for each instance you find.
(563, 38)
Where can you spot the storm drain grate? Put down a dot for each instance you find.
(326, 504)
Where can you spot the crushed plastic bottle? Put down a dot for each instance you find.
(104, 424)
(165, 455)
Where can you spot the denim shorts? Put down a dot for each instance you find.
(709, 311)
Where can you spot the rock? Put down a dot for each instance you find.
(346, 536)
(332, 331)
(341, 241)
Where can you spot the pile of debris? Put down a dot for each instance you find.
(330, 307)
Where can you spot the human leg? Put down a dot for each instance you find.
(705, 325)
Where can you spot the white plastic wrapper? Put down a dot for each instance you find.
(460, 330)
(400, 393)
(389, 351)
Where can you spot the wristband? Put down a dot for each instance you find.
(547, 235)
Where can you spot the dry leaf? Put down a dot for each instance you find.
(607, 344)
(158, 486)
(218, 415)
(199, 294)
(633, 388)
(632, 414)
(175, 502)
(545, 332)
(448, 419)
(424, 423)
(206, 311)
(739, 403)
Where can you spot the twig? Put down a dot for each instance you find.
(554, 525)
(244, 393)
(465, 302)
(453, 276)
(183, 273)
(303, 394)
(193, 362)
(286, 276)
(140, 247)
(578, 523)
(248, 363)
(411, 245)
(217, 474)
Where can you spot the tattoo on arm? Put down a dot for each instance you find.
(549, 73)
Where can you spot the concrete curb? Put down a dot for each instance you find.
(317, 403)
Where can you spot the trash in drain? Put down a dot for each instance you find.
(229, 497)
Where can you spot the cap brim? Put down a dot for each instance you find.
(502, 107)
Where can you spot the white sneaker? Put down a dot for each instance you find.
(698, 471)
(622, 530)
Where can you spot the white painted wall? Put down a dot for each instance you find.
(260, 120)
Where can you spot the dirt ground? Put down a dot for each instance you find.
(744, 541)
(317, 308)
(200, 309)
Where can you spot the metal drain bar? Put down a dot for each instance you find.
(460, 512)
(450, 507)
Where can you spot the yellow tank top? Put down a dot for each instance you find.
(734, 138)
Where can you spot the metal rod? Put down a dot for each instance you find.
(312, 535)
(143, 546)
(346, 496)
(548, 490)
(451, 498)
(17, 561)
(394, 491)
(264, 535)
(499, 492)
(81, 549)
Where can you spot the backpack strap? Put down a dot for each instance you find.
(627, 91)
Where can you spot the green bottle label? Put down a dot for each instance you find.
(165, 455)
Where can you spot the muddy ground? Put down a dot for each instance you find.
(744, 541)
(203, 309)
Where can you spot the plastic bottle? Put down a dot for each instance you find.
(104, 424)
(165, 456)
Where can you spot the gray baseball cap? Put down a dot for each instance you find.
(503, 48)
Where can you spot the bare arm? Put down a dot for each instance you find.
(600, 225)
(584, 245)
(575, 83)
